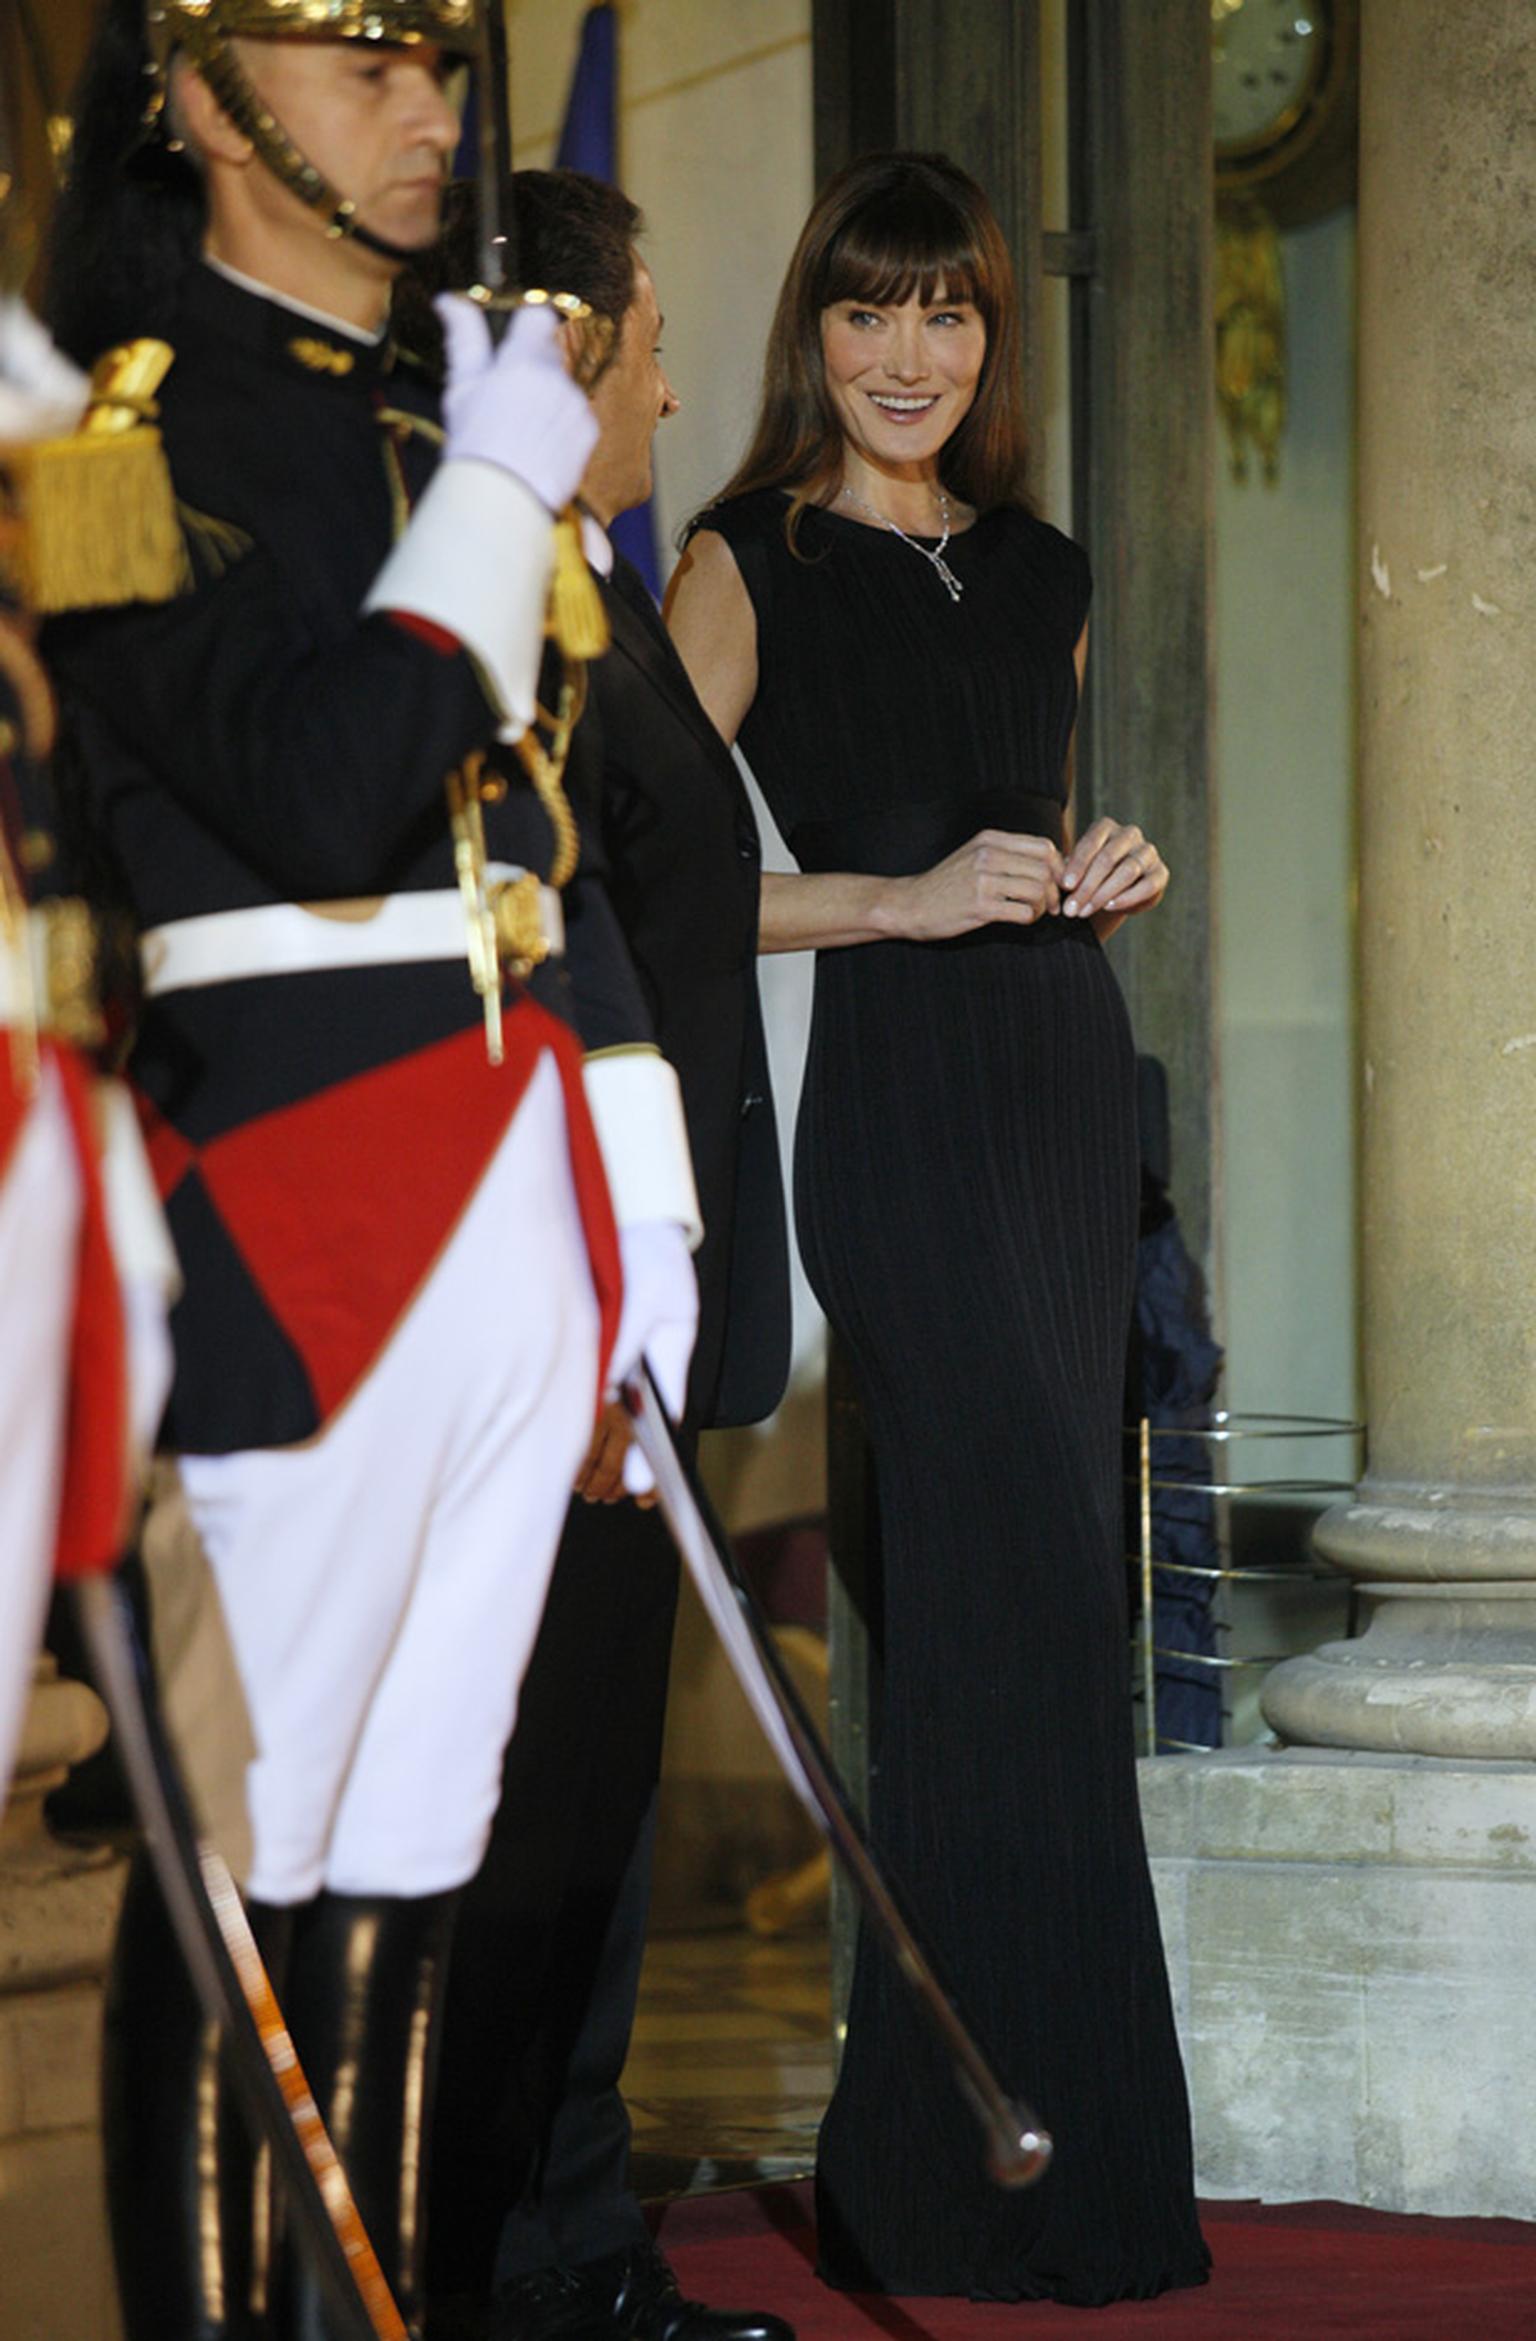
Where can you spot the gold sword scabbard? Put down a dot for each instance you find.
(505, 919)
(468, 823)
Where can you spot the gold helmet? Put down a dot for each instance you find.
(205, 30)
(199, 24)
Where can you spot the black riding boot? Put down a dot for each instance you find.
(189, 2198)
(365, 1979)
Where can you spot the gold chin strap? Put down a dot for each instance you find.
(206, 29)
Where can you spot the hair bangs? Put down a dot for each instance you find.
(906, 241)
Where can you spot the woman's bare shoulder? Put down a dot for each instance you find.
(711, 619)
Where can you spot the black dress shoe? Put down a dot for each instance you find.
(638, 2294)
(548, 2305)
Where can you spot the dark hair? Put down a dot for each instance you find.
(576, 234)
(129, 219)
(886, 228)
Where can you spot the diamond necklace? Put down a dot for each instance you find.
(933, 555)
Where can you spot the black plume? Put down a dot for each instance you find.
(129, 219)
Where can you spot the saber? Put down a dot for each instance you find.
(1017, 2148)
(226, 1968)
(496, 212)
(497, 289)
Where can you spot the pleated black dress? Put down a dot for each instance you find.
(966, 1194)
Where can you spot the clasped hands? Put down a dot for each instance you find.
(1001, 875)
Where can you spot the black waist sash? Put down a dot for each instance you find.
(898, 841)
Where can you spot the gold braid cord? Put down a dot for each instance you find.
(545, 767)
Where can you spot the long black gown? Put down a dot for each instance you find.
(966, 1194)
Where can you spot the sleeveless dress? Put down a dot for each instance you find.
(966, 1196)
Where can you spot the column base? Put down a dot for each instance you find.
(1441, 1670)
(1349, 1940)
(1436, 1535)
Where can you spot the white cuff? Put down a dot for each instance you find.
(637, 1111)
(476, 560)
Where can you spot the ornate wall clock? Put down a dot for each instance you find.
(1285, 90)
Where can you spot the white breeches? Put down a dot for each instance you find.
(383, 1583)
(40, 1203)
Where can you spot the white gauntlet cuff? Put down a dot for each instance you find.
(637, 1110)
(476, 560)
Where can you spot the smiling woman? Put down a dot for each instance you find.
(898, 642)
(919, 278)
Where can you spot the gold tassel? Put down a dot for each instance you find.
(578, 623)
(98, 511)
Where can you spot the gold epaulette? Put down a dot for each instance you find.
(95, 523)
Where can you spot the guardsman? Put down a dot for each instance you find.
(380, 1099)
(82, 1302)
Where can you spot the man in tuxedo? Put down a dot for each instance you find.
(530, 2192)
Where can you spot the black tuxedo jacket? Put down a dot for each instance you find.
(683, 865)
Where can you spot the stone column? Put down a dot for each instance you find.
(1443, 1531)
(1351, 1921)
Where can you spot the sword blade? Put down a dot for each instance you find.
(231, 1982)
(1017, 2148)
(497, 226)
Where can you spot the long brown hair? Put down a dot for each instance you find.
(889, 226)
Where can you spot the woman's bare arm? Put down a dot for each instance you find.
(710, 617)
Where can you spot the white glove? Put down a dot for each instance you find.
(658, 1322)
(42, 396)
(476, 558)
(515, 407)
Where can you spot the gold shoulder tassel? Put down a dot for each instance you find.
(98, 523)
(578, 623)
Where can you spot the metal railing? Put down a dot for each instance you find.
(1219, 1431)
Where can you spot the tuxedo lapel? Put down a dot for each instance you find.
(639, 635)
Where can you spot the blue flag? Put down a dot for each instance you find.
(589, 142)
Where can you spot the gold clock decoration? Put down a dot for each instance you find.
(1250, 334)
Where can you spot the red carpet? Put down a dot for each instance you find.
(1288, 2272)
